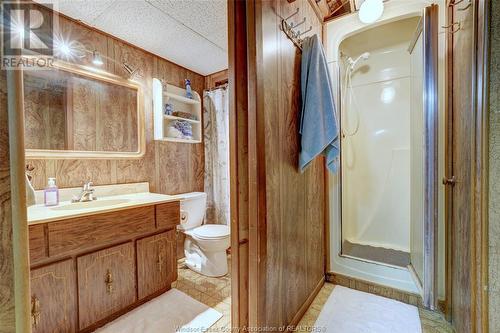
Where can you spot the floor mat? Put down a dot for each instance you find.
(352, 311)
(171, 312)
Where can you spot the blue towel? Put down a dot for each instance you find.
(318, 125)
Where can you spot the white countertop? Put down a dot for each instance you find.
(66, 209)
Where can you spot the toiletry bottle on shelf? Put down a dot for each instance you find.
(189, 92)
(51, 193)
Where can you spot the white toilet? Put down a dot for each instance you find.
(206, 244)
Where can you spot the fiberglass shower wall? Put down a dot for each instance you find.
(378, 152)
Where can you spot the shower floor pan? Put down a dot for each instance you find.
(376, 254)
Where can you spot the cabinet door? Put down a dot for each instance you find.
(53, 298)
(106, 283)
(156, 263)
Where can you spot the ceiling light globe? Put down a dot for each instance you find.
(370, 11)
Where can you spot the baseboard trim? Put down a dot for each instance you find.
(442, 305)
(302, 310)
(374, 288)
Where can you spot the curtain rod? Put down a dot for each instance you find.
(222, 86)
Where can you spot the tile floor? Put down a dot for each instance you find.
(432, 322)
(214, 292)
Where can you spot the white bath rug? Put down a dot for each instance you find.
(171, 312)
(352, 311)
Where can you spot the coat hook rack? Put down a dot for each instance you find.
(454, 27)
(294, 35)
(467, 6)
(453, 3)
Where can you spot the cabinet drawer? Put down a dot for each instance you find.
(168, 214)
(101, 229)
(106, 283)
(37, 243)
(53, 298)
(156, 263)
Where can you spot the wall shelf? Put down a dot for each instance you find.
(182, 99)
(180, 118)
(167, 139)
(163, 94)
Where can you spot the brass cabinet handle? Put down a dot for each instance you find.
(109, 282)
(35, 311)
(450, 181)
(159, 262)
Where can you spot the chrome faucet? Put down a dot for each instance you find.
(87, 194)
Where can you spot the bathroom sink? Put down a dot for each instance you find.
(40, 213)
(91, 204)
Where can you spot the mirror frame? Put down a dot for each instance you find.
(100, 75)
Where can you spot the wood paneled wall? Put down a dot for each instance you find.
(294, 264)
(7, 318)
(494, 170)
(216, 79)
(169, 167)
(469, 290)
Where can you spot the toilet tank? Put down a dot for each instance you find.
(193, 206)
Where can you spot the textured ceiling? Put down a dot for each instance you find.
(191, 33)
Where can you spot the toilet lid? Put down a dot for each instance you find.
(211, 231)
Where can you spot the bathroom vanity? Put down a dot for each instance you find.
(92, 262)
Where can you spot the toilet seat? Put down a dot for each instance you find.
(211, 232)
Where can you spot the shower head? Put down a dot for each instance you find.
(353, 63)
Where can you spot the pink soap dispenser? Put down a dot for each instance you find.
(51, 193)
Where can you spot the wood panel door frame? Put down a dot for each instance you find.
(479, 206)
(480, 209)
(16, 312)
(243, 184)
(15, 307)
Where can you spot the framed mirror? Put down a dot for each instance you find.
(73, 111)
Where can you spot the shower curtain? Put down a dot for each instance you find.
(216, 138)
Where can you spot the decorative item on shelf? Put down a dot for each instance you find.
(182, 130)
(173, 133)
(185, 115)
(184, 127)
(169, 109)
(189, 92)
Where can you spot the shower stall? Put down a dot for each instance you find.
(383, 225)
(375, 144)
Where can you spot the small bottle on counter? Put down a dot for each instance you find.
(51, 193)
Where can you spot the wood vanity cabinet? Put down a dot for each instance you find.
(156, 263)
(106, 282)
(38, 245)
(168, 214)
(53, 298)
(84, 232)
(86, 271)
